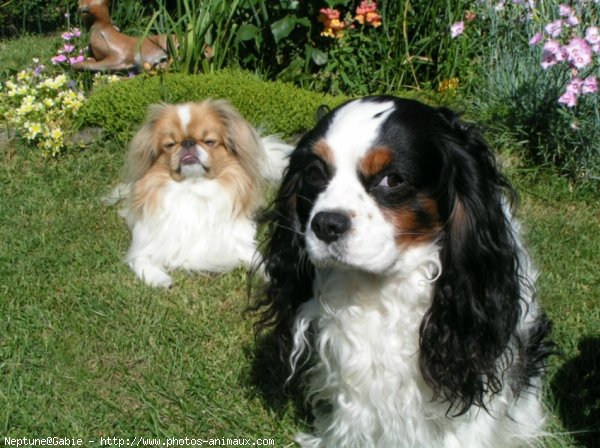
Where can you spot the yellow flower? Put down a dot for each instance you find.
(33, 129)
(22, 90)
(26, 106)
(60, 81)
(48, 102)
(11, 85)
(24, 75)
(56, 134)
(448, 84)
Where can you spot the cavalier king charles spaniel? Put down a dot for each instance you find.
(194, 177)
(398, 280)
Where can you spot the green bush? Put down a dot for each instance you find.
(276, 107)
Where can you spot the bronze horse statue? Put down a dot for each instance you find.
(113, 51)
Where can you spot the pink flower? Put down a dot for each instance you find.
(572, 20)
(330, 13)
(58, 59)
(579, 52)
(589, 85)
(77, 59)
(536, 39)
(68, 48)
(569, 99)
(554, 28)
(575, 85)
(574, 89)
(565, 10)
(470, 16)
(457, 29)
(553, 54)
(365, 7)
(592, 35)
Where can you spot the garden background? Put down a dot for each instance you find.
(88, 351)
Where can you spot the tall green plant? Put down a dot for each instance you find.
(202, 33)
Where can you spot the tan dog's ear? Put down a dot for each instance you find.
(242, 139)
(142, 150)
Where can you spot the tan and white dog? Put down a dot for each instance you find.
(195, 174)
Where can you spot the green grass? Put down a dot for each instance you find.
(85, 349)
(563, 231)
(18, 53)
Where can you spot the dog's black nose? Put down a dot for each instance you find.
(188, 143)
(330, 226)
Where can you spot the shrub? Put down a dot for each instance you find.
(275, 107)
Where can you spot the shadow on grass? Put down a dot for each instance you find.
(268, 374)
(576, 387)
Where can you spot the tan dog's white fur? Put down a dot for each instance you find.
(195, 176)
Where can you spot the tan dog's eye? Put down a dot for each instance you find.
(210, 142)
(169, 146)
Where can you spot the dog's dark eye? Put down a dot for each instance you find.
(169, 146)
(390, 181)
(210, 142)
(315, 175)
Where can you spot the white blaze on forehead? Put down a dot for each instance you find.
(369, 245)
(185, 116)
(354, 129)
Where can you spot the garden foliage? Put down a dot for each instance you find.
(273, 106)
(527, 69)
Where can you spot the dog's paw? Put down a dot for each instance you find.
(308, 441)
(152, 275)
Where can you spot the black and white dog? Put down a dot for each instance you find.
(396, 268)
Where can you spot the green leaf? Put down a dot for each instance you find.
(334, 3)
(303, 21)
(319, 57)
(283, 27)
(247, 31)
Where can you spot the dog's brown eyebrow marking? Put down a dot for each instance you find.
(375, 161)
(322, 149)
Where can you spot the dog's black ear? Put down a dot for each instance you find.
(322, 110)
(289, 272)
(475, 309)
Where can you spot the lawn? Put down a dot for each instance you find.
(88, 351)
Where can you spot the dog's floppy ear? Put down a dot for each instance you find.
(476, 300)
(242, 138)
(242, 141)
(142, 151)
(289, 272)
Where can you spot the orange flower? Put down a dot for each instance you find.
(334, 27)
(366, 12)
